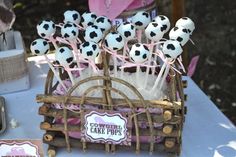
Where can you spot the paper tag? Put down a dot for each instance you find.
(106, 127)
(24, 148)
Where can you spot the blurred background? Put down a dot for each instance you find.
(214, 37)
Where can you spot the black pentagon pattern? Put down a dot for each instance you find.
(119, 39)
(34, 43)
(61, 50)
(137, 45)
(184, 18)
(93, 35)
(152, 34)
(46, 26)
(170, 47)
(167, 55)
(176, 28)
(138, 23)
(66, 35)
(94, 26)
(67, 25)
(144, 56)
(85, 44)
(145, 47)
(43, 35)
(179, 39)
(75, 16)
(89, 53)
(146, 14)
(162, 17)
(127, 34)
(185, 30)
(37, 51)
(94, 16)
(94, 47)
(45, 43)
(154, 24)
(137, 53)
(89, 23)
(100, 20)
(69, 60)
(74, 33)
(163, 28)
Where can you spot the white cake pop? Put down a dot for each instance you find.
(46, 28)
(87, 19)
(89, 50)
(64, 56)
(141, 19)
(180, 34)
(153, 31)
(164, 21)
(114, 41)
(103, 23)
(172, 49)
(127, 30)
(39, 47)
(187, 23)
(139, 53)
(72, 16)
(93, 33)
(69, 31)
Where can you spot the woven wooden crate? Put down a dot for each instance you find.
(172, 116)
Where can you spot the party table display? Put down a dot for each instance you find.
(115, 87)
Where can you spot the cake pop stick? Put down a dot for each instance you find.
(141, 19)
(114, 42)
(153, 32)
(64, 57)
(41, 47)
(127, 30)
(46, 29)
(171, 49)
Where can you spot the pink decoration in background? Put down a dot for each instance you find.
(113, 8)
(192, 66)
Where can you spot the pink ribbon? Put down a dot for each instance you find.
(166, 61)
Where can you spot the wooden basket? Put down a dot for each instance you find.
(172, 116)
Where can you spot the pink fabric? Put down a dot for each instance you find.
(192, 66)
(113, 8)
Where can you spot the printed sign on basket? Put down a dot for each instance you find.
(26, 148)
(106, 127)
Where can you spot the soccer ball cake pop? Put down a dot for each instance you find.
(87, 19)
(46, 28)
(93, 33)
(139, 53)
(141, 19)
(69, 31)
(127, 30)
(114, 41)
(172, 49)
(89, 50)
(72, 16)
(180, 34)
(103, 23)
(186, 23)
(153, 31)
(64, 56)
(164, 21)
(39, 47)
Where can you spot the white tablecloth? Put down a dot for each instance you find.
(207, 132)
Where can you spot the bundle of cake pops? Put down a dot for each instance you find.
(139, 44)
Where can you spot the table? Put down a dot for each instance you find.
(207, 132)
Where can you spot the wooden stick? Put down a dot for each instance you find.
(167, 129)
(49, 135)
(167, 115)
(170, 142)
(60, 142)
(51, 151)
(119, 102)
